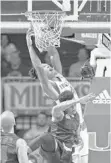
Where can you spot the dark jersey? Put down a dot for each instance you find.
(8, 148)
(66, 130)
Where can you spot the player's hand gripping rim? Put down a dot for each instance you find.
(29, 34)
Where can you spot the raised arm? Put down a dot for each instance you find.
(64, 105)
(46, 84)
(36, 62)
(55, 59)
(58, 110)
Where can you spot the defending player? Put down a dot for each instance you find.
(56, 146)
(13, 148)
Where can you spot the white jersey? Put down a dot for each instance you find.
(63, 85)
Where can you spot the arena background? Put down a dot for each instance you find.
(17, 92)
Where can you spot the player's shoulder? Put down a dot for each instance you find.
(57, 117)
(20, 142)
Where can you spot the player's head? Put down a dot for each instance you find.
(7, 121)
(65, 96)
(49, 71)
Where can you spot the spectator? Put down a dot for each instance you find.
(6, 49)
(74, 70)
(12, 64)
(17, 68)
(41, 127)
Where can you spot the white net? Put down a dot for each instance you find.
(47, 26)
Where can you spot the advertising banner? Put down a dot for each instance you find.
(98, 115)
(24, 94)
(27, 94)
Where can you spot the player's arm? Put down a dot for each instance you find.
(55, 59)
(22, 150)
(46, 84)
(66, 104)
(58, 110)
(37, 142)
(36, 62)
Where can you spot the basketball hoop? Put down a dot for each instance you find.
(47, 26)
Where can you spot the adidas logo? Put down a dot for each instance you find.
(103, 98)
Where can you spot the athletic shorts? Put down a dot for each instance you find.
(52, 151)
(60, 155)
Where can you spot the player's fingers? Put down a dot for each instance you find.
(29, 34)
(91, 94)
(30, 28)
(91, 97)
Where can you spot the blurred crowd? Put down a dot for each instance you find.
(40, 125)
(13, 62)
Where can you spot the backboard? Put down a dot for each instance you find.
(86, 10)
(81, 11)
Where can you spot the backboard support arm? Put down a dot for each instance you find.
(66, 6)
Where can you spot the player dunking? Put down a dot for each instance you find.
(52, 82)
(51, 79)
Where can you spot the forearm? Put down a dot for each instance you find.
(22, 151)
(34, 58)
(22, 157)
(55, 59)
(56, 63)
(35, 143)
(65, 105)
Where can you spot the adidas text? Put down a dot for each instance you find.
(102, 101)
(102, 98)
